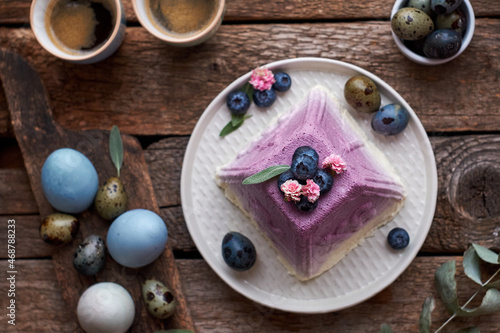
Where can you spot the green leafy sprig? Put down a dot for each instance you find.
(266, 174)
(116, 148)
(446, 286)
(237, 121)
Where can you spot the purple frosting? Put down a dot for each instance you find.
(362, 192)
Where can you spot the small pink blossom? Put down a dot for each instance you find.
(311, 191)
(292, 190)
(262, 78)
(335, 163)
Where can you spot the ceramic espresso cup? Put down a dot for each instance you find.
(79, 31)
(180, 22)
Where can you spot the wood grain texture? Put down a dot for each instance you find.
(17, 11)
(467, 207)
(217, 308)
(166, 89)
(38, 136)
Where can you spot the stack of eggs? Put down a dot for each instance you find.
(431, 28)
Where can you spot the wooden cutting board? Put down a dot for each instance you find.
(38, 135)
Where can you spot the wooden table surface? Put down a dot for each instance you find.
(157, 93)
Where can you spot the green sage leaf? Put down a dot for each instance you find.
(116, 148)
(472, 329)
(489, 304)
(229, 128)
(471, 265)
(266, 174)
(237, 120)
(248, 89)
(446, 286)
(386, 329)
(486, 254)
(425, 321)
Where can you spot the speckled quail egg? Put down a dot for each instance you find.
(390, 119)
(111, 199)
(454, 21)
(423, 5)
(238, 251)
(362, 94)
(411, 24)
(444, 6)
(69, 181)
(90, 256)
(106, 307)
(59, 228)
(160, 302)
(442, 43)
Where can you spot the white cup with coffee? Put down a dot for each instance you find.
(79, 31)
(180, 22)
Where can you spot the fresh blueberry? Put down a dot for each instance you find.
(391, 119)
(442, 43)
(264, 98)
(305, 205)
(324, 179)
(304, 167)
(287, 175)
(398, 238)
(306, 150)
(238, 103)
(238, 251)
(283, 81)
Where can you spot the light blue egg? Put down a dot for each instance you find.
(136, 238)
(69, 181)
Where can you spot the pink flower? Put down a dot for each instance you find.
(335, 163)
(311, 191)
(262, 78)
(292, 190)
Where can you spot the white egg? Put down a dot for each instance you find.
(105, 307)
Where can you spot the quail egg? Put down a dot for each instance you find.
(423, 5)
(411, 24)
(105, 307)
(90, 256)
(444, 6)
(59, 228)
(69, 181)
(390, 119)
(160, 302)
(455, 20)
(111, 199)
(238, 251)
(362, 94)
(442, 43)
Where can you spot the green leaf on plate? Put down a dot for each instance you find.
(248, 89)
(471, 265)
(116, 148)
(472, 329)
(486, 254)
(386, 329)
(229, 128)
(446, 286)
(489, 304)
(266, 174)
(237, 120)
(424, 323)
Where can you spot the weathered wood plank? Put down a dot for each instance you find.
(17, 11)
(217, 308)
(16, 196)
(165, 89)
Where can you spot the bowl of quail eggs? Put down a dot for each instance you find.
(432, 32)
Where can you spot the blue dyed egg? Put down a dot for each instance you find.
(69, 181)
(442, 43)
(390, 119)
(444, 6)
(137, 238)
(238, 251)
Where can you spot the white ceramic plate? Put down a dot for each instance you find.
(363, 272)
